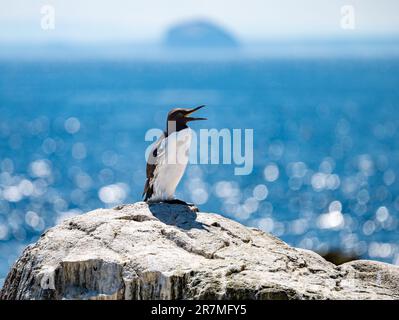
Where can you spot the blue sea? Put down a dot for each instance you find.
(326, 144)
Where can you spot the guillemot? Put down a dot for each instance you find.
(168, 158)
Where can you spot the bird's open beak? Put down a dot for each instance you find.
(192, 111)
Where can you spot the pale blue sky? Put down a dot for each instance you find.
(129, 20)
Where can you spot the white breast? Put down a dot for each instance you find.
(171, 162)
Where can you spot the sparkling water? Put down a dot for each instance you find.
(326, 145)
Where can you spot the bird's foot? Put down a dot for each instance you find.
(175, 201)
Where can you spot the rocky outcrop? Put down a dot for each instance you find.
(163, 251)
(197, 34)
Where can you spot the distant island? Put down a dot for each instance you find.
(199, 34)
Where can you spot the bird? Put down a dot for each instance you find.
(169, 156)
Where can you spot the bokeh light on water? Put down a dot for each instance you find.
(326, 146)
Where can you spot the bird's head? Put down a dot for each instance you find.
(180, 116)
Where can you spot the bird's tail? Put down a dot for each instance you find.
(147, 193)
